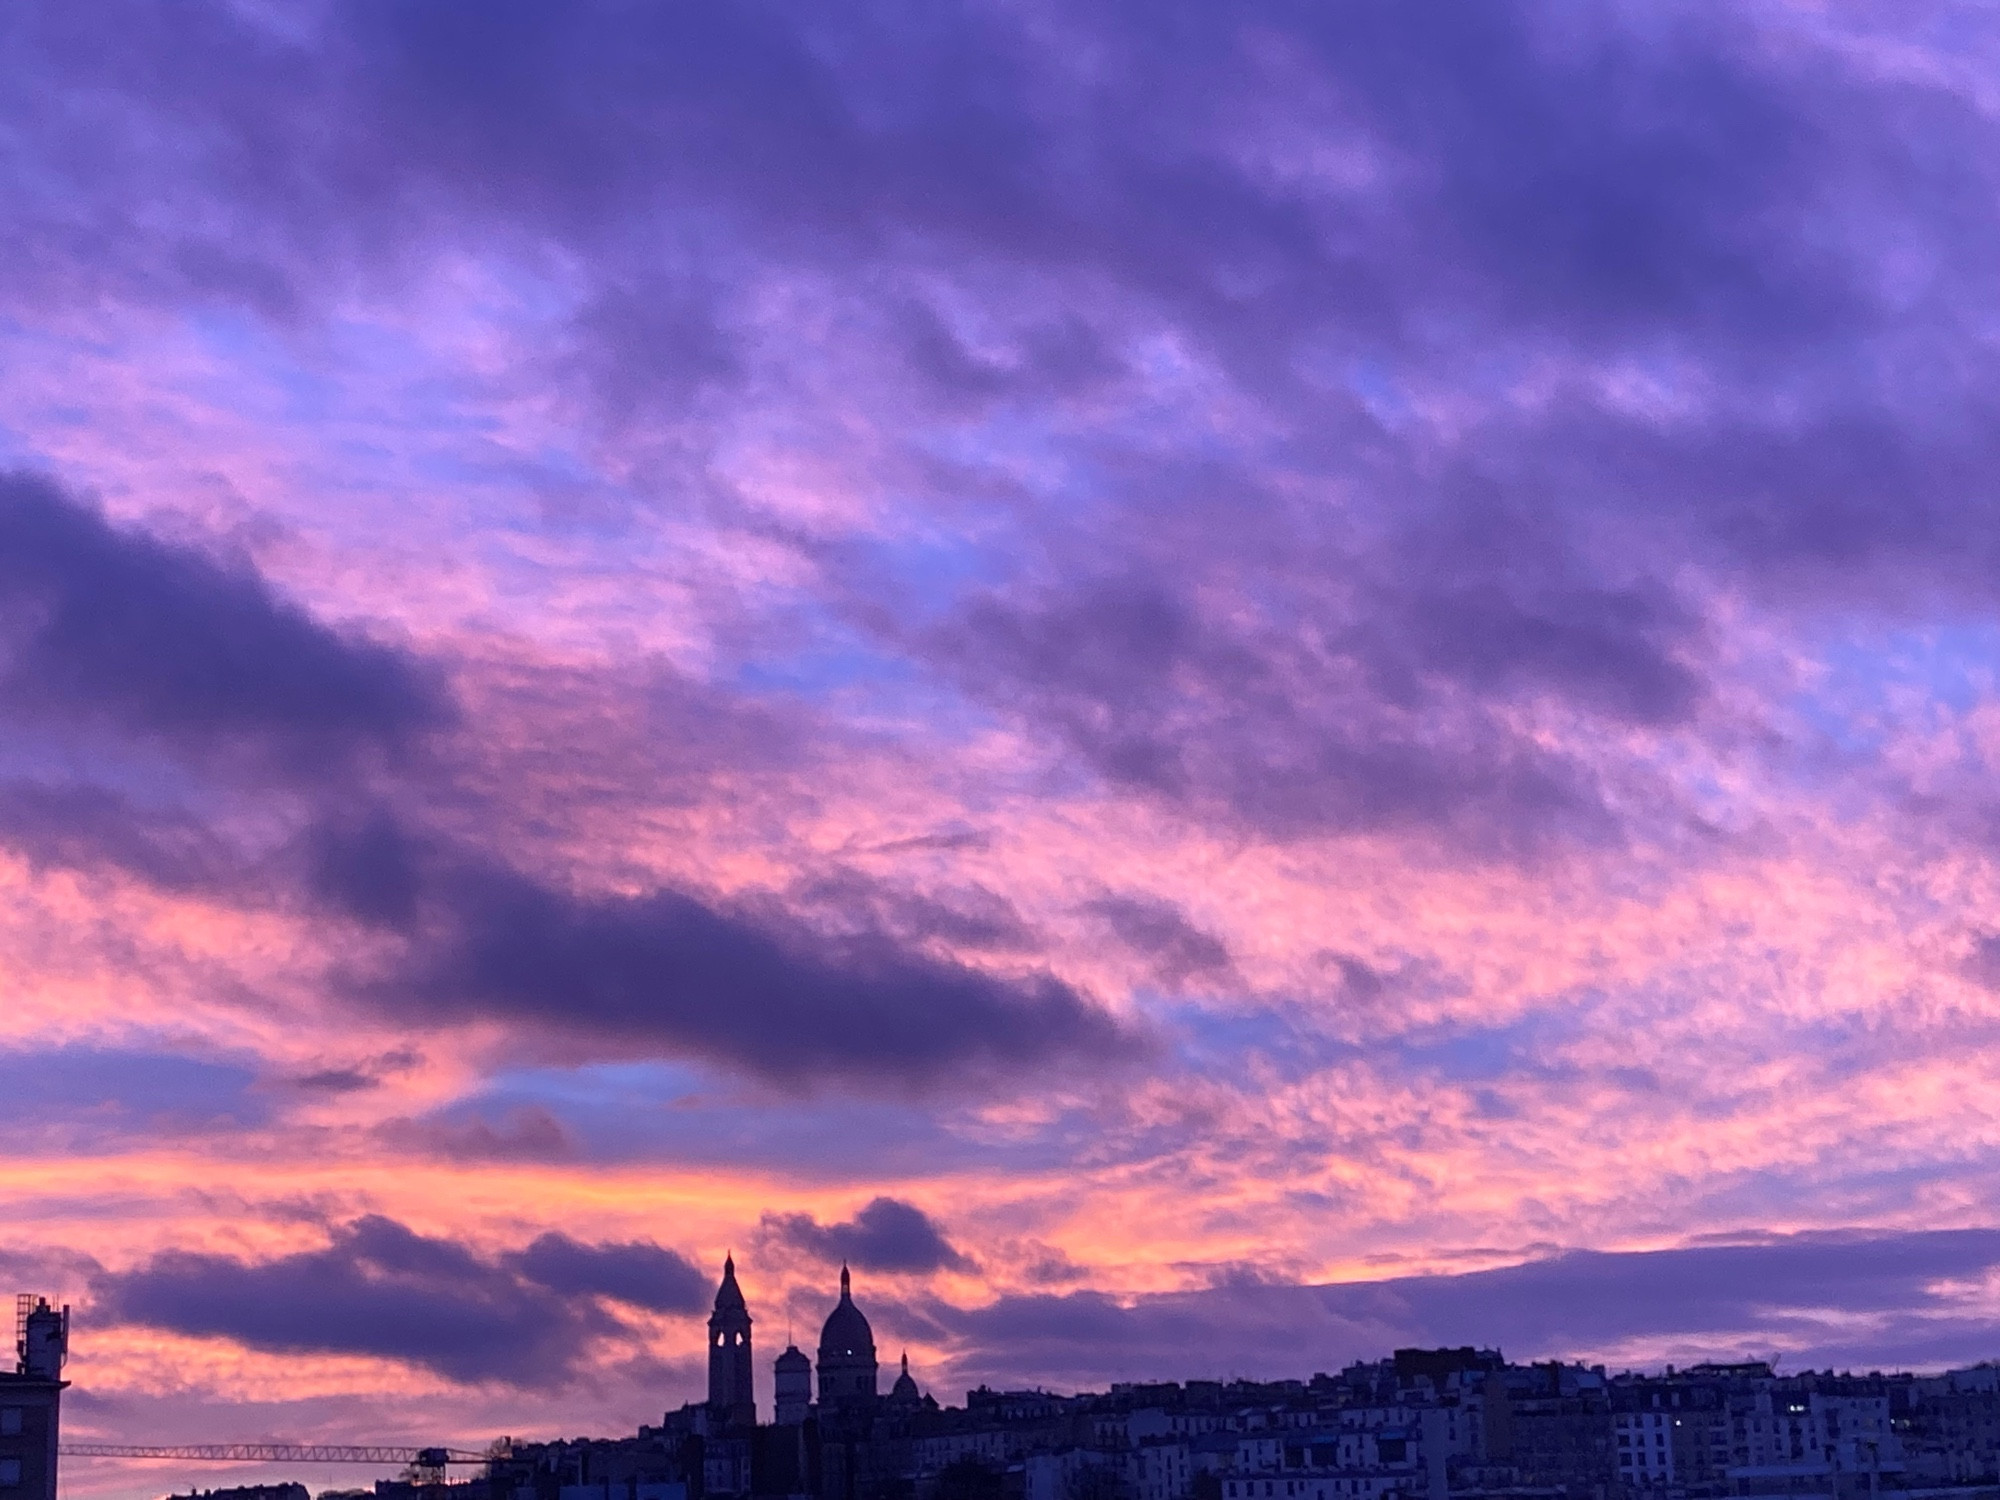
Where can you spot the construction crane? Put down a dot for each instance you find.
(428, 1463)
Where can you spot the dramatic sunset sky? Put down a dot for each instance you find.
(1215, 686)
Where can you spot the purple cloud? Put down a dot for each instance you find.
(377, 1289)
(114, 628)
(1335, 626)
(1767, 1295)
(887, 1235)
(640, 1273)
(141, 642)
(664, 973)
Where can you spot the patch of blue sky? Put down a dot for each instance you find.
(832, 663)
(245, 346)
(1040, 454)
(33, 348)
(1299, 1041)
(932, 570)
(50, 757)
(1474, 1055)
(1852, 1194)
(838, 662)
(370, 406)
(1218, 1042)
(112, 1092)
(1870, 681)
(921, 577)
(17, 451)
(664, 1113)
(1372, 382)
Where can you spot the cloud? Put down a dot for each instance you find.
(1315, 449)
(887, 1235)
(528, 1319)
(334, 1081)
(101, 627)
(1531, 312)
(135, 642)
(52, 1272)
(75, 825)
(368, 867)
(79, 1096)
(1160, 932)
(523, 1134)
(957, 917)
(667, 974)
(1870, 1299)
(1982, 964)
(1274, 727)
(640, 1273)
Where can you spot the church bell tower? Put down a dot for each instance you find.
(730, 1401)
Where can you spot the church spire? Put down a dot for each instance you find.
(729, 1359)
(729, 1296)
(845, 1294)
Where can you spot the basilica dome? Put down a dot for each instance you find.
(847, 1334)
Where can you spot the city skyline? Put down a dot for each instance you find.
(1212, 688)
(1436, 1423)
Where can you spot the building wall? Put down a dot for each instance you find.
(29, 1429)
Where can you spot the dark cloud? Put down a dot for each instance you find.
(956, 917)
(667, 974)
(640, 1273)
(113, 628)
(352, 1078)
(524, 1134)
(368, 868)
(887, 1235)
(1982, 964)
(335, 1081)
(1549, 320)
(1356, 979)
(1279, 728)
(1764, 1296)
(378, 1289)
(75, 825)
(1160, 932)
(945, 840)
(1611, 649)
(139, 642)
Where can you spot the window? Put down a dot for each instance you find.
(10, 1472)
(10, 1420)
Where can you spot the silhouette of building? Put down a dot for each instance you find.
(793, 1387)
(731, 1402)
(904, 1397)
(31, 1402)
(1427, 1424)
(847, 1368)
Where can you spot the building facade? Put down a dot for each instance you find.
(31, 1403)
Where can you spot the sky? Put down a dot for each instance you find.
(1211, 687)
